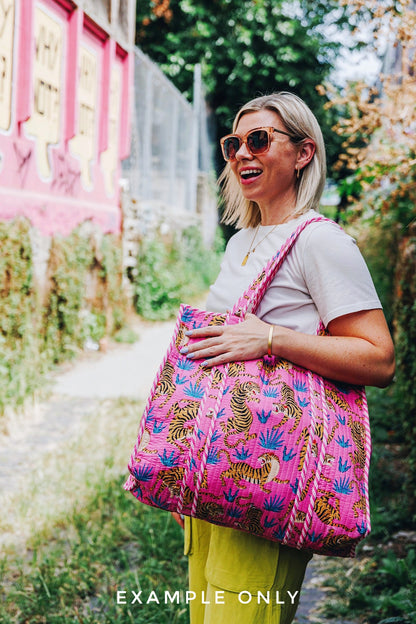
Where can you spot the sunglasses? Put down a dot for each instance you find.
(258, 142)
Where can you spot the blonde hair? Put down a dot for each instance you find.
(301, 124)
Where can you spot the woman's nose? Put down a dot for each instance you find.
(243, 152)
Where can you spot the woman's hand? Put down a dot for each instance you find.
(178, 518)
(229, 343)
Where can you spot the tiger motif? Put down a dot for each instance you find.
(216, 320)
(171, 478)
(329, 513)
(180, 428)
(144, 441)
(258, 280)
(252, 521)
(337, 543)
(242, 418)
(360, 506)
(241, 471)
(334, 398)
(165, 386)
(180, 339)
(358, 458)
(289, 407)
(209, 510)
(270, 366)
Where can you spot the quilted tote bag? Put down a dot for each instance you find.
(263, 446)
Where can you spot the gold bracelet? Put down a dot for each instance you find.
(270, 341)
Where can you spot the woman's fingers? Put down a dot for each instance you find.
(178, 518)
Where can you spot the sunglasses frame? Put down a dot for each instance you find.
(243, 140)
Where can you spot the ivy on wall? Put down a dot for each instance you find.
(83, 299)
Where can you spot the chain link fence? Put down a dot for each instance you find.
(169, 179)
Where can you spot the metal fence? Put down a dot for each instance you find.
(169, 173)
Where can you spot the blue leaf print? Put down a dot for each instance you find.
(213, 457)
(343, 486)
(194, 391)
(274, 503)
(180, 380)
(272, 440)
(300, 386)
(185, 364)
(170, 460)
(271, 392)
(143, 473)
(229, 496)
(187, 315)
(263, 416)
(157, 428)
(288, 455)
(343, 442)
(159, 502)
(243, 454)
(343, 467)
(235, 512)
(269, 522)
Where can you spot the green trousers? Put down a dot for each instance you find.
(237, 577)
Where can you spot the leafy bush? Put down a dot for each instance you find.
(20, 361)
(381, 588)
(171, 272)
(36, 334)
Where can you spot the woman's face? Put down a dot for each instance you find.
(269, 179)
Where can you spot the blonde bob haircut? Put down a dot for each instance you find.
(301, 124)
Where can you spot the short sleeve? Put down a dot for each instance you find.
(336, 274)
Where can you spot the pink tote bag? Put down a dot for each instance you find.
(263, 446)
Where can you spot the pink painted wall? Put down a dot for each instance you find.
(67, 85)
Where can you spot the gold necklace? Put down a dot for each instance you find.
(250, 251)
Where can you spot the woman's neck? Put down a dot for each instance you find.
(276, 217)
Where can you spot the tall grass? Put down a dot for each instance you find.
(76, 537)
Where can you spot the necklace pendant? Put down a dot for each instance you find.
(244, 262)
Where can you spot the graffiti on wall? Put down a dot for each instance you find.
(44, 123)
(7, 11)
(110, 156)
(83, 144)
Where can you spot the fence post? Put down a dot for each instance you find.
(195, 139)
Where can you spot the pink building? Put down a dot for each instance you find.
(65, 83)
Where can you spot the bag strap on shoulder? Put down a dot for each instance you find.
(251, 298)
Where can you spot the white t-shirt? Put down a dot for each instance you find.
(323, 277)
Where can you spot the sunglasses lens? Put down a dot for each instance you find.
(231, 147)
(258, 141)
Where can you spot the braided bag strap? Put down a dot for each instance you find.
(251, 298)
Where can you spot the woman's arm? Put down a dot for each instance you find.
(358, 351)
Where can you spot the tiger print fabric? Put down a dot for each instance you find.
(262, 446)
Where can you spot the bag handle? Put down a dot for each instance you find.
(252, 297)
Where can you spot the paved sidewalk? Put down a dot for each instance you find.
(124, 371)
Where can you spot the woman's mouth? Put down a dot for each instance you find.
(249, 175)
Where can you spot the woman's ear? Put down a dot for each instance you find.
(305, 153)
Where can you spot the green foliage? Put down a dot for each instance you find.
(109, 544)
(20, 364)
(246, 48)
(381, 589)
(172, 272)
(37, 329)
(405, 317)
(70, 261)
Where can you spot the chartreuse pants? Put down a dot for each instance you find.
(237, 577)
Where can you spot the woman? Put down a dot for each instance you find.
(273, 180)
